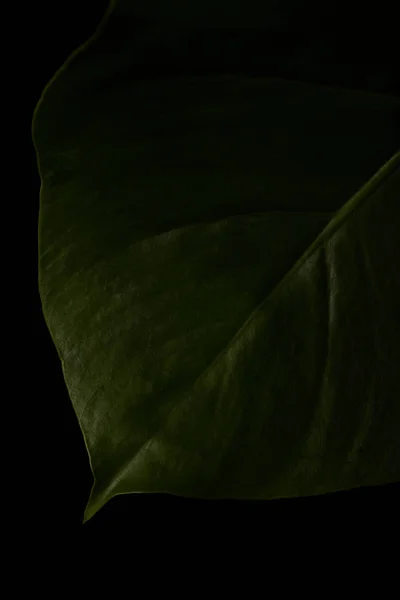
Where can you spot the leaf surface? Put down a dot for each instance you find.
(218, 269)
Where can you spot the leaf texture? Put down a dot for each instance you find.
(218, 269)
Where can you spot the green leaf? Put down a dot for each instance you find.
(218, 269)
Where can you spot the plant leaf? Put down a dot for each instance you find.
(218, 269)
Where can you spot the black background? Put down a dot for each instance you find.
(62, 473)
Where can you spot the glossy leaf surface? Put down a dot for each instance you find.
(218, 269)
